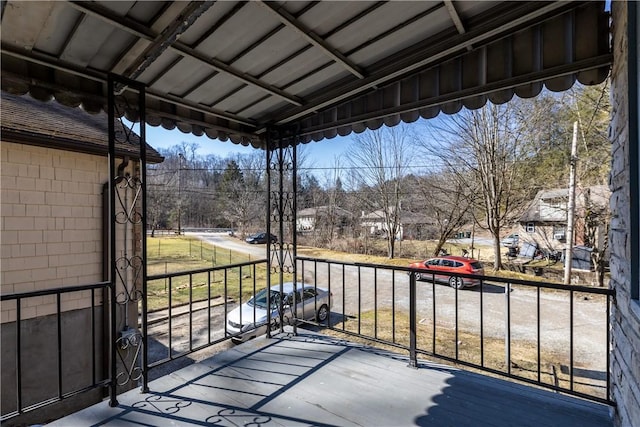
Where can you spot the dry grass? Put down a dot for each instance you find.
(523, 354)
(405, 249)
(322, 253)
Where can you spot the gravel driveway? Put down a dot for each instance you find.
(375, 289)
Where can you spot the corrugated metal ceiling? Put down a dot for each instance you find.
(232, 69)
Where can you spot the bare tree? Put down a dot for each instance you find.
(333, 218)
(483, 150)
(379, 161)
(447, 201)
(590, 107)
(159, 199)
(597, 218)
(243, 191)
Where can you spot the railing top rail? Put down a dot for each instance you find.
(53, 291)
(205, 270)
(546, 285)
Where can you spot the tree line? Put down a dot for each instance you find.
(426, 180)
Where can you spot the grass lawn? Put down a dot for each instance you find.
(176, 254)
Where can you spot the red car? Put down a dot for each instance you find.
(436, 268)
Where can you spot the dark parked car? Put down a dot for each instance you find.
(261, 238)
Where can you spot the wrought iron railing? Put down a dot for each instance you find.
(548, 335)
(544, 334)
(188, 310)
(70, 339)
(185, 319)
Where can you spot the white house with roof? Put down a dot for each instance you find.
(544, 222)
(410, 224)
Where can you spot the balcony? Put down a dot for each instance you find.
(395, 351)
(312, 379)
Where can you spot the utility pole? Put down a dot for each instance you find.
(571, 206)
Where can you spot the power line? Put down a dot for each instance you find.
(341, 168)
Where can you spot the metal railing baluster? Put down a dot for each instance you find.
(434, 331)
(58, 385)
(375, 303)
(209, 307)
(507, 291)
(343, 298)
(393, 306)
(226, 298)
(191, 312)
(170, 319)
(330, 296)
(571, 322)
(538, 332)
(413, 345)
(113, 401)
(482, 323)
(59, 342)
(19, 354)
(93, 336)
(457, 340)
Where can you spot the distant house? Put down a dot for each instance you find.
(54, 169)
(417, 226)
(411, 225)
(322, 218)
(545, 221)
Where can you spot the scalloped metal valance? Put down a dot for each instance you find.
(231, 70)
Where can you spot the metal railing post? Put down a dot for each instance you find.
(413, 355)
(112, 245)
(113, 401)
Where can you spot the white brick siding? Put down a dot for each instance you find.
(51, 225)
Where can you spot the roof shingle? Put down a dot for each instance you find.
(24, 119)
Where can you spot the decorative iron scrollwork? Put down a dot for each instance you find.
(130, 292)
(129, 347)
(282, 213)
(127, 228)
(284, 263)
(127, 212)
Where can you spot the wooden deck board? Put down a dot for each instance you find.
(317, 380)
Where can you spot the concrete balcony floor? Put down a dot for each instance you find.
(317, 380)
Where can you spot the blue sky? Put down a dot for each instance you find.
(159, 137)
(320, 154)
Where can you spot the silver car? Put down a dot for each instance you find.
(511, 241)
(250, 319)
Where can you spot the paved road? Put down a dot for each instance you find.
(223, 240)
(483, 241)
